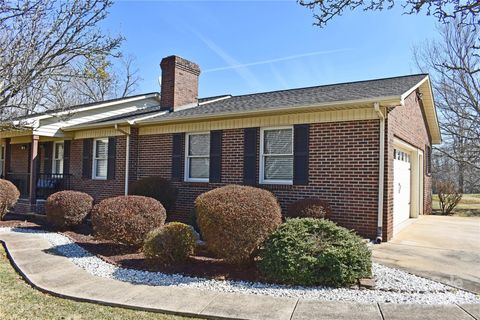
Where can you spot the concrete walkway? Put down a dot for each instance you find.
(58, 276)
(445, 249)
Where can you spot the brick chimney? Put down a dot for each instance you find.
(179, 82)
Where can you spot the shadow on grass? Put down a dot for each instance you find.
(459, 212)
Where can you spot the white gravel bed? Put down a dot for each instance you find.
(392, 285)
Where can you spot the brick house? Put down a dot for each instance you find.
(364, 146)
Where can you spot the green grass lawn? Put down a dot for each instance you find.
(469, 206)
(20, 301)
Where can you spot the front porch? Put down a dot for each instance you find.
(37, 168)
(45, 185)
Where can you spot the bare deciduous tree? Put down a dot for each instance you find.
(467, 12)
(455, 74)
(41, 43)
(100, 80)
(448, 196)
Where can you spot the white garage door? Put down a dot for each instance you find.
(401, 189)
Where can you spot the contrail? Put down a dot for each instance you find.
(295, 56)
(243, 72)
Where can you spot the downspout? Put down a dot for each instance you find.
(381, 173)
(127, 156)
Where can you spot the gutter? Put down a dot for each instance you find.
(127, 156)
(381, 174)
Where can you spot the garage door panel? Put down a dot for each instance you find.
(401, 187)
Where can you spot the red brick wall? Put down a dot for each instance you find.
(19, 158)
(406, 123)
(343, 171)
(98, 189)
(18, 172)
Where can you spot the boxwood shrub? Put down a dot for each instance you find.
(169, 245)
(312, 251)
(234, 220)
(127, 219)
(157, 188)
(67, 208)
(9, 195)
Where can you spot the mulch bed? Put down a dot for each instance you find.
(202, 264)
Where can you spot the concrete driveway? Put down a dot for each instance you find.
(446, 249)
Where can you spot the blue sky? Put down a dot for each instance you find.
(253, 46)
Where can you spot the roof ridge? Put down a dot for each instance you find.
(330, 84)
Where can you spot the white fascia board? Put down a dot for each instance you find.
(110, 123)
(92, 107)
(108, 104)
(215, 100)
(134, 121)
(412, 89)
(438, 139)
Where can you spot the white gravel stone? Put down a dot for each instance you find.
(392, 285)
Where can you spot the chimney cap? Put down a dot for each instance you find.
(180, 62)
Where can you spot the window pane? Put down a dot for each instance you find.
(101, 168)
(278, 141)
(59, 151)
(1, 167)
(199, 145)
(279, 168)
(199, 167)
(58, 166)
(2, 152)
(101, 149)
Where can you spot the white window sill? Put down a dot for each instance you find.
(99, 178)
(197, 180)
(280, 182)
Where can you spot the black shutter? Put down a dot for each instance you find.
(112, 157)
(48, 157)
(300, 154)
(216, 156)
(250, 155)
(177, 156)
(66, 156)
(87, 158)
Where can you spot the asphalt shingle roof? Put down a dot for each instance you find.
(303, 97)
(368, 89)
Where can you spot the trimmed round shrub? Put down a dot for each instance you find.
(68, 208)
(157, 188)
(235, 220)
(169, 245)
(314, 252)
(309, 208)
(127, 219)
(9, 195)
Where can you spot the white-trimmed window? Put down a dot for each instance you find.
(2, 159)
(100, 158)
(197, 157)
(58, 156)
(276, 155)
